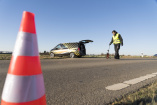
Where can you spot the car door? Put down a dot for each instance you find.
(64, 50)
(57, 49)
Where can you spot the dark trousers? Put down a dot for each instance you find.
(116, 48)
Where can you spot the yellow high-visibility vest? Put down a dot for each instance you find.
(116, 39)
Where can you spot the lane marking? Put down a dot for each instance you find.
(140, 79)
(150, 76)
(117, 86)
(155, 73)
(125, 84)
(134, 81)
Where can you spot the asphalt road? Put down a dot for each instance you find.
(83, 81)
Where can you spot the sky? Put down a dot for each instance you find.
(60, 21)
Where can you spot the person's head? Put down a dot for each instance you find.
(114, 32)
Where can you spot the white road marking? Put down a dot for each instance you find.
(140, 79)
(125, 84)
(117, 86)
(155, 73)
(150, 76)
(134, 81)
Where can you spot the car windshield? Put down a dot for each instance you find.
(63, 47)
(58, 46)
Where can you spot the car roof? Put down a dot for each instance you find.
(69, 43)
(82, 41)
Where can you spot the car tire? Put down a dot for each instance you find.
(52, 55)
(72, 55)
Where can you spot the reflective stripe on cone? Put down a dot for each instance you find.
(23, 88)
(26, 45)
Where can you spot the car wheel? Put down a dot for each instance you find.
(72, 55)
(52, 55)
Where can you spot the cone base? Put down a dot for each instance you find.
(40, 101)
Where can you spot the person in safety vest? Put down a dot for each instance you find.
(117, 40)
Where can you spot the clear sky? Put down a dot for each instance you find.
(59, 21)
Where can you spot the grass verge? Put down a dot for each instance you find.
(144, 96)
(5, 56)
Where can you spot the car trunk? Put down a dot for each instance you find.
(82, 46)
(82, 49)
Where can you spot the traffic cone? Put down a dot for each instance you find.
(24, 83)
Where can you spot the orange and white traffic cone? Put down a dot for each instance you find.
(24, 84)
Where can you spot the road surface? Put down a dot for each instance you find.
(82, 81)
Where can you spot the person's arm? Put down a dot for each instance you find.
(121, 39)
(111, 41)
